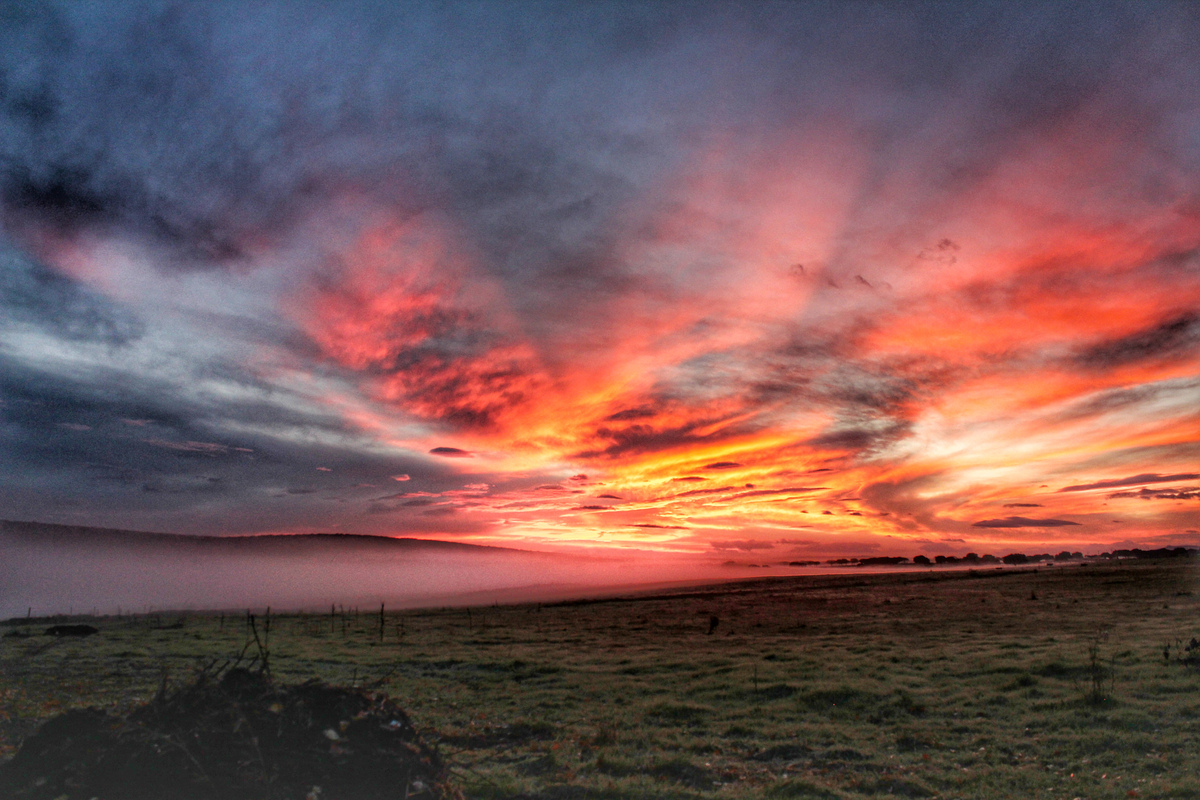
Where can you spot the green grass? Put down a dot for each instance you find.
(950, 685)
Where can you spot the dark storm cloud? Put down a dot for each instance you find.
(1022, 522)
(203, 130)
(113, 90)
(75, 448)
(432, 107)
(1133, 480)
(35, 402)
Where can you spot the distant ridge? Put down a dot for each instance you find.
(51, 533)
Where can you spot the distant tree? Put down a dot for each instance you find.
(988, 558)
(922, 560)
(1015, 558)
(1063, 556)
(971, 558)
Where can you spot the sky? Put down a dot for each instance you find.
(750, 281)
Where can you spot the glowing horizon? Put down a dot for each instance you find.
(734, 286)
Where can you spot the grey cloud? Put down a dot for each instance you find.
(862, 438)
(1133, 480)
(742, 545)
(1179, 335)
(640, 438)
(642, 412)
(33, 294)
(153, 121)
(450, 452)
(70, 453)
(425, 107)
(1125, 397)
(1022, 522)
(1182, 493)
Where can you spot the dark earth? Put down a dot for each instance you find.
(231, 734)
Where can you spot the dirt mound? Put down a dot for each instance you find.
(71, 630)
(231, 735)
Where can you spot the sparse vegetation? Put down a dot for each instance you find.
(958, 686)
(1101, 676)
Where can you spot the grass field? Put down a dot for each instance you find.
(1038, 683)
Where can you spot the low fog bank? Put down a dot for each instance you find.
(56, 569)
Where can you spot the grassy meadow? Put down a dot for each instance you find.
(1032, 683)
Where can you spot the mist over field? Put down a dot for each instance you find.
(58, 569)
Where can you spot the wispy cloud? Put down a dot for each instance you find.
(1134, 480)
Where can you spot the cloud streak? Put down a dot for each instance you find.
(1022, 522)
(1135, 480)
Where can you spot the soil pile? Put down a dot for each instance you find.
(231, 735)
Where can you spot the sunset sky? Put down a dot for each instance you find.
(753, 281)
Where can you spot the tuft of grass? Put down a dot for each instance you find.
(803, 790)
(784, 752)
(1022, 681)
(679, 713)
(541, 766)
(895, 787)
(841, 698)
(681, 770)
(776, 691)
